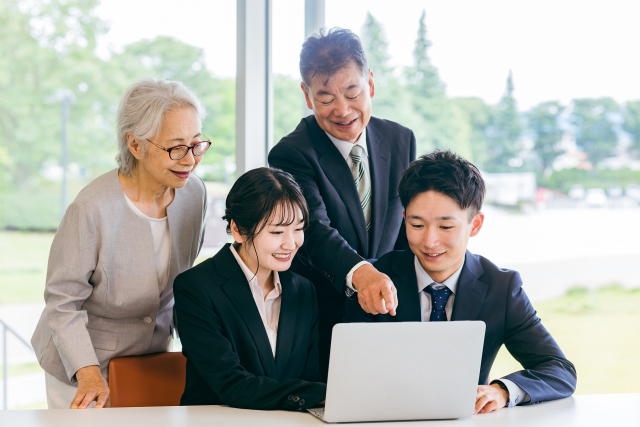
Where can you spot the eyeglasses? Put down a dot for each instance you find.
(179, 151)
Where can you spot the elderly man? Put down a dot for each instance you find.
(348, 165)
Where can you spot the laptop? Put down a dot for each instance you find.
(403, 371)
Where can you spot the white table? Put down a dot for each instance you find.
(588, 410)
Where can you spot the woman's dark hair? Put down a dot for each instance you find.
(327, 52)
(254, 197)
(446, 173)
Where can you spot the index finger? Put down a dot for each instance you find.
(390, 298)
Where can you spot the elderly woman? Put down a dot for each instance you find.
(121, 243)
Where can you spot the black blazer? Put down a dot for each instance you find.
(229, 359)
(337, 239)
(495, 296)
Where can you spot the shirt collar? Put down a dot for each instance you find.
(345, 147)
(250, 275)
(425, 280)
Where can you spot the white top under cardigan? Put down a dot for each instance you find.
(161, 244)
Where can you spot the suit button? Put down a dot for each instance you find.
(147, 320)
(301, 403)
(296, 398)
(290, 398)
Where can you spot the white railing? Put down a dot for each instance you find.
(5, 363)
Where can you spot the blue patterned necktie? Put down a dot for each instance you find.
(439, 296)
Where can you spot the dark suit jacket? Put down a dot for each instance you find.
(337, 239)
(229, 359)
(495, 296)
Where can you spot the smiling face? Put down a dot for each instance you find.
(181, 126)
(438, 232)
(342, 107)
(275, 245)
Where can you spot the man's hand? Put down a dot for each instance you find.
(490, 398)
(91, 386)
(376, 293)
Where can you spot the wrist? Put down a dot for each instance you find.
(505, 391)
(359, 274)
(87, 371)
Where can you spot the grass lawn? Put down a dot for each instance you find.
(23, 266)
(599, 332)
(23, 369)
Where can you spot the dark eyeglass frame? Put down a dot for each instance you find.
(192, 148)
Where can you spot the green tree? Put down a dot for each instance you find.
(47, 46)
(376, 47)
(436, 122)
(389, 93)
(544, 122)
(594, 122)
(504, 132)
(479, 115)
(631, 125)
(287, 106)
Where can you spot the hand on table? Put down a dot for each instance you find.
(490, 398)
(91, 386)
(376, 292)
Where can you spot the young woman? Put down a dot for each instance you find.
(249, 328)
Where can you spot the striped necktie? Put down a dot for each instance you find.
(363, 184)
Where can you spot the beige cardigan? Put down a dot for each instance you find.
(102, 291)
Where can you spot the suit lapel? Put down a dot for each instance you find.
(379, 170)
(286, 322)
(471, 292)
(406, 283)
(337, 171)
(237, 289)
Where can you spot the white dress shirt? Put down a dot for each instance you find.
(269, 307)
(345, 148)
(516, 394)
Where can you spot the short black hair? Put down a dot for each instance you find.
(254, 197)
(446, 173)
(329, 51)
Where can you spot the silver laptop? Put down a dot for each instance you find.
(403, 371)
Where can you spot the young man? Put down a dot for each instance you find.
(437, 279)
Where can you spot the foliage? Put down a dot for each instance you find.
(594, 121)
(631, 125)
(287, 106)
(376, 47)
(436, 121)
(479, 116)
(544, 122)
(504, 132)
(601, 178)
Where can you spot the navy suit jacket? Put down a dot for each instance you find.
(229, 358)
(337, 239)
(495, 296)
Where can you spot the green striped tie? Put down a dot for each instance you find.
(363, 184)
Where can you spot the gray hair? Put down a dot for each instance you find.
(142, 111)
(327, 52)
